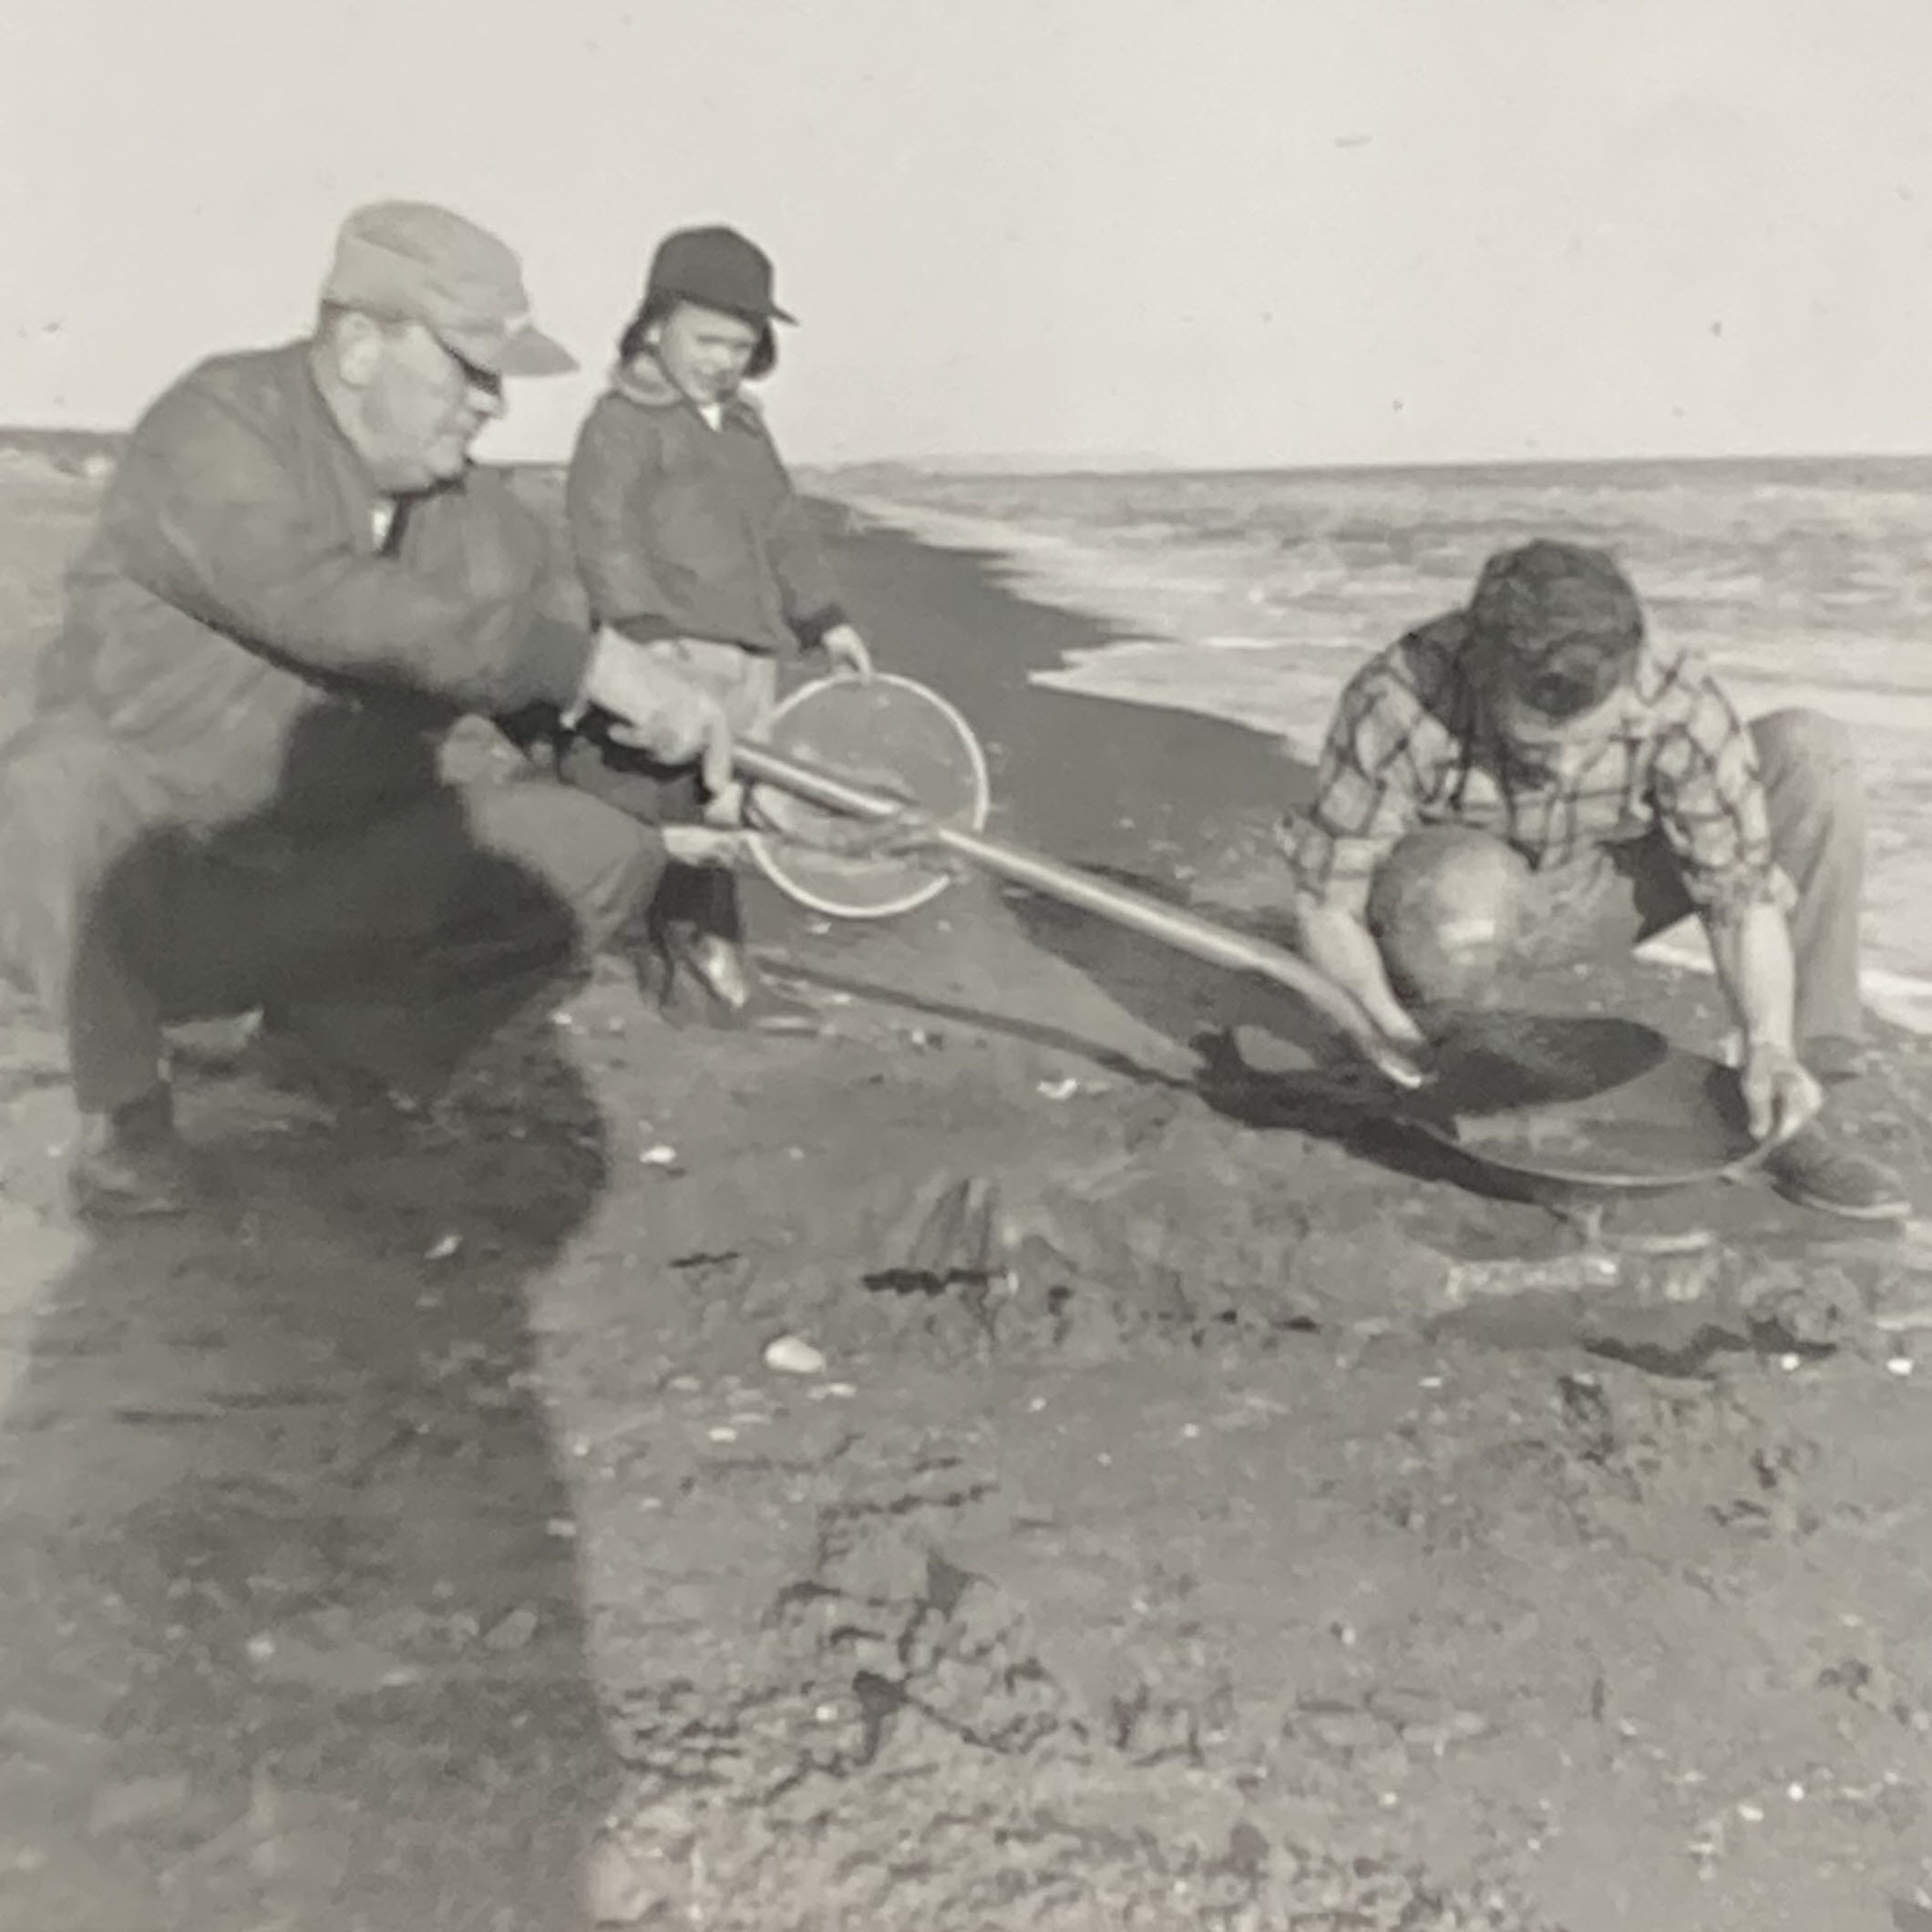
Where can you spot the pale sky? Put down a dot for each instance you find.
(1214, 232)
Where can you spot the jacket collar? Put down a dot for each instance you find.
(644, 383)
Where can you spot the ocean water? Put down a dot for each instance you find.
(1252, 596)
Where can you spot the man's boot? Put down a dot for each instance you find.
(131, 1163)
(1818, 1169)
(707, 979)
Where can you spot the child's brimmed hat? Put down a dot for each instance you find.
(716, 268)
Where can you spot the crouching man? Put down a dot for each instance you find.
(228, 799)
(1536, 780)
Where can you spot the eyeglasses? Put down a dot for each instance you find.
(475, 376)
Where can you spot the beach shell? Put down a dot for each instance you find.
(515, 1631)
(793, 1355)
(621, 1890)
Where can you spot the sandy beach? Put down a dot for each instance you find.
(1215, 1509)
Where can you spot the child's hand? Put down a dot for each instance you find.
(847, 652)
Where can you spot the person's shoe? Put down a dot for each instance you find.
(1816, 1171)
(131, 1165)
(215, 1049)
(1832, 1059)
(706, 982)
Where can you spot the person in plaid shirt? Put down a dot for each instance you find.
(1536, 780)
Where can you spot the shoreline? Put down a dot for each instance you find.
(1148, 785)
(1038, 570)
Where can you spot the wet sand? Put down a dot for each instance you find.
(1097, 783)
(1214, 1510)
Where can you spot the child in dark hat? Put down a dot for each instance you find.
(690, 537)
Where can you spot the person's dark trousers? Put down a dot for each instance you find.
(394, 949)
(703, 900)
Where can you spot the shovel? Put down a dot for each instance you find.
(932, 792)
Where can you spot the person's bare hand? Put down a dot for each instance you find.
(1780, 1096)
(703, 845)
(659, 711)
(848, 651)
(1395, 1022)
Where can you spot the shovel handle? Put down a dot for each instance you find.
(1171, 925)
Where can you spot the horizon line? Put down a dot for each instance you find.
(966, 466)
(969, 467)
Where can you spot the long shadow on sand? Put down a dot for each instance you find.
(1323, 1099)
(293, 1633)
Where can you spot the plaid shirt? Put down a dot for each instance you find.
(1411, 744)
